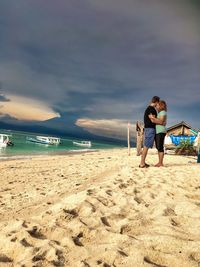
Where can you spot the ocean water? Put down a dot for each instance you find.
(23, 148)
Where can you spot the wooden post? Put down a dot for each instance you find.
(128, 138)
(140, 135)
(182, 130)
(198, 147)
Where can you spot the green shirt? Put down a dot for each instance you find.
(161, 128)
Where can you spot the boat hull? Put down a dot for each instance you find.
(3, 145)
(81, 145)
(38, 141)
(44, 140)
(5, 141)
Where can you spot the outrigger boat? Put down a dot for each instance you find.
(46, 140)
(5, 141)
(83, 143)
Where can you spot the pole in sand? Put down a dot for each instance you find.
(128, 137)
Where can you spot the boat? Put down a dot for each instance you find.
(5, 141)
(83, 143)
(46, 140)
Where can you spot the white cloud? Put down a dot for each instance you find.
(26, 109)
(108, 128)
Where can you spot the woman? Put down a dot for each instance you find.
(161, 130)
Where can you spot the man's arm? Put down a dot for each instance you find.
(160, 121)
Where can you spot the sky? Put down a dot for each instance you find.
(92, 66)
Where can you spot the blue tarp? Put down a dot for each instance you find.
(177, 139)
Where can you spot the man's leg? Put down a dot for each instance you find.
(143, 156)
(149, 135)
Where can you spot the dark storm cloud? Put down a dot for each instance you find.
(102, 59)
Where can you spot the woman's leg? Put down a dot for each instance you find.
(157, 140)
(160, 147)
(160, 157)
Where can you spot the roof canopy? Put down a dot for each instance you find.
(182, 128)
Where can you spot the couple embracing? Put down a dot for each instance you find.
(155, 118)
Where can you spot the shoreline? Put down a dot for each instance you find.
(54, 153)
(77, 152)
(37, 155)
(100, 209)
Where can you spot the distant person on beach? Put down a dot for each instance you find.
(149, 130)
(161, 130)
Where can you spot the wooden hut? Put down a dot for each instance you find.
(181, 128)
(181, 132)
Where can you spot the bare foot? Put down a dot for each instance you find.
(159, 165)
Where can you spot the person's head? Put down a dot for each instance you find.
(161, 105)
(155, 100)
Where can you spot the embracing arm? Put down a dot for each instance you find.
(161, 120)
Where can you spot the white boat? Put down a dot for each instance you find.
(5, 141)
(46, 140)
(83, 143)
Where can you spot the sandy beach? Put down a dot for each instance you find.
(100, 209)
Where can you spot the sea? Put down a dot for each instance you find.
(23, 148)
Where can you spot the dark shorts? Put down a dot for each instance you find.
(149, 136)
(160, 138)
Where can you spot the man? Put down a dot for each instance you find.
(149, 130)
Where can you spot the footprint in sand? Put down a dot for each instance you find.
(148, 260)
(70, 214)
(175, 222)
(39, 257)
(25, 243)
(109, 192)
(36, 233)
(51, 254)
(105, 202)
(122, 253)
(85, 263)
(5, 259)
(139, 200)
(169, 212)
(76, 239)
(14, 239)
(91, 192)
(104, 263)
(105, 221)
(60, 259)
(123, 185)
